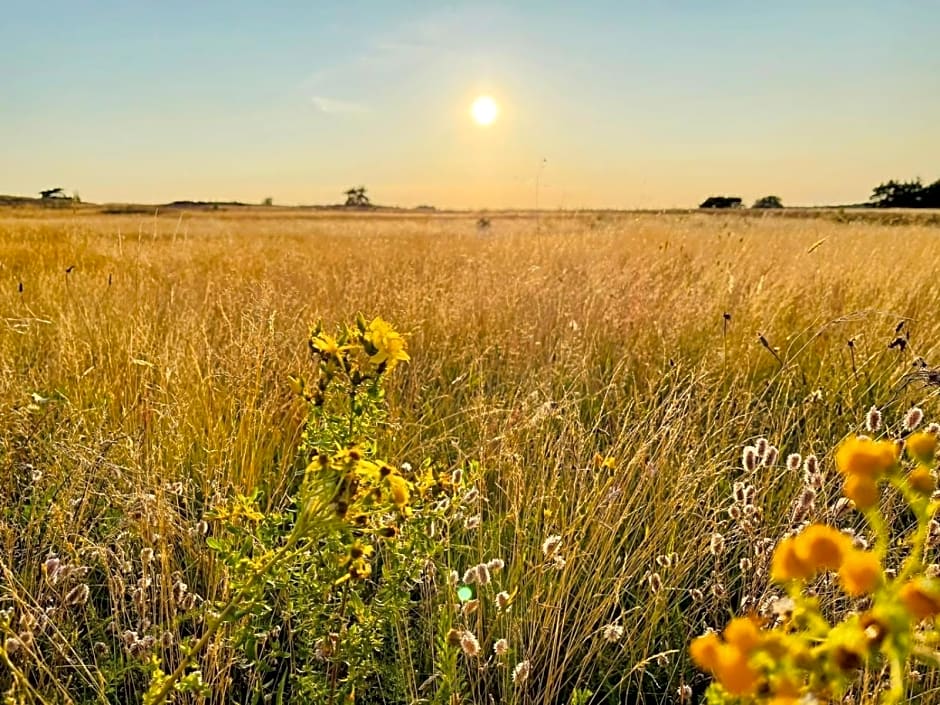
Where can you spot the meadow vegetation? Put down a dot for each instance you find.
(549, 499)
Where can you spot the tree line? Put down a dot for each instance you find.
(890, 194)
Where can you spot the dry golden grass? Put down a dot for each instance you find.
(139, 352)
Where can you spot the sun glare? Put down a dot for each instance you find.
(484, 110)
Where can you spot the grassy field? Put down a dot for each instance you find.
(144, 381)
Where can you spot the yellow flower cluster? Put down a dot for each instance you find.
(803, 654)
(728, 658)
(384, 344)
(823, 548)
(863, 461)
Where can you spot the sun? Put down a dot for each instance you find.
(484, 110)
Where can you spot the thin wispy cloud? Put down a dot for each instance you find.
(335, 106)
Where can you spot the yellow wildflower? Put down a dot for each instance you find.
(388, 344)
(734, 672)
(921, 598)
(860, 573)
(786, 564)
(921, 446)
(922, 480)
(400, 490)
(865, 457)
(327, 345)
(743, 632)
(821, 546)
(862, 490)
(704, 651)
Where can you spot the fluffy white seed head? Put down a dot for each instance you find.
(913, 418)
(469, 644)
(873, 420)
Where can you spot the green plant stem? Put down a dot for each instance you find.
(342, 619)
(896, 692)
(226, 612)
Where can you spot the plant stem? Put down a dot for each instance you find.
(214, 624)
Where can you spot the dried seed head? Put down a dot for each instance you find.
(472, 522)
(933, 429)
(470, 576)
(794, 461)
(662, 660)
(761, 446)
(146, 556)
(684, 693)
(52, 567)
(469, 644)
(749, 494)
(807, 498)
(739, 492)
(913, 418)
(811, 465)
(501, 647)
(718, 590)
(483, 574)
(873, 420)
(11, 645)
(842, 507)
(179, 591)
(78, 595)
(656, 583)
(750, 458)
(453, 637)
(453, 577)
(716, 546)
(612, 633)
(521, 672)
(100, 649)
(496, 565)
(469, 607)
(551, 545)
(696, 595)
(932, 570)
(769, 459)
(456, 477)
(202, 527)
(502, 600)
(471, 495)
(783, 607)
(129, 638)
(559, 562)
(734, 511)
(813, 480)
(745, 564)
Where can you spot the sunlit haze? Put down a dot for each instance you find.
(605, 104)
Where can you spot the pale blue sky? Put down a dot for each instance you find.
(631, 104)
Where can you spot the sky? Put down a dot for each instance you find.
(620, 104)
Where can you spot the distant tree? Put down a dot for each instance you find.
(721, 202)
(268, 201)
(906, 194)
(357, 198)
(768, 202)
(57, 192)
